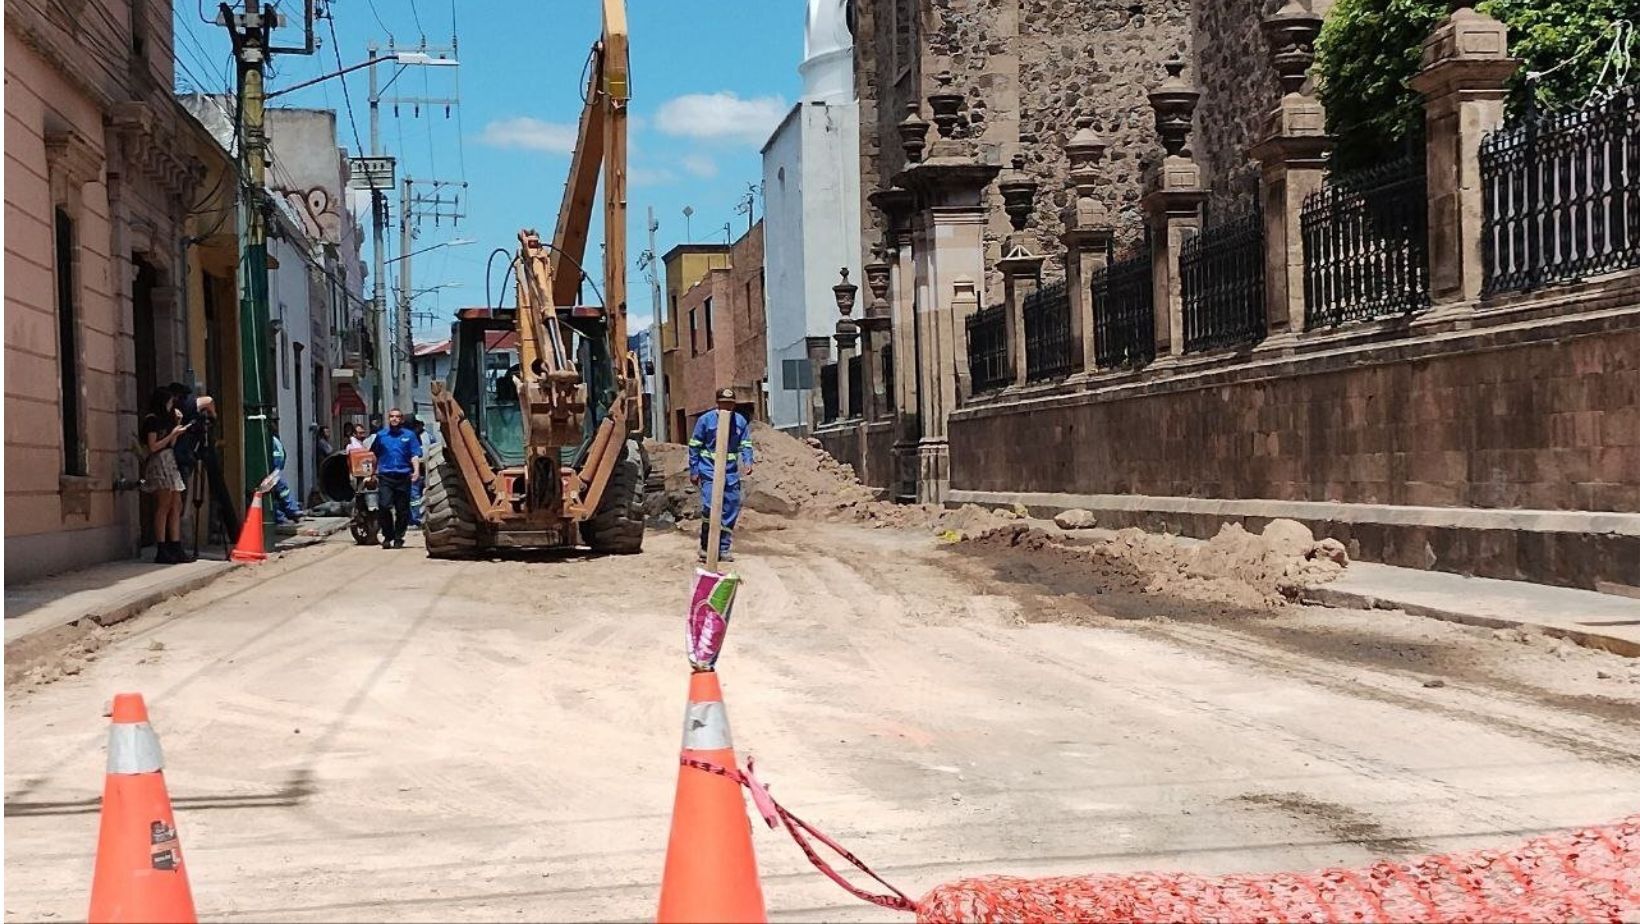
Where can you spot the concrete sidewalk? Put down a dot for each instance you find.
(116, 591)
(1594, 620)
(106, 594)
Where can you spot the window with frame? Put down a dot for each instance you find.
(694, 348)
(708, 324)
(68, 346)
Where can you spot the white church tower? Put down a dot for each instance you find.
(811, 201)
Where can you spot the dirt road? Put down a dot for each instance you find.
(355, 734)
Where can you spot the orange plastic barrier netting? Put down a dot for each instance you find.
(1591, 875)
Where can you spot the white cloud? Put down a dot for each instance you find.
(721, 116)
(699, 165)
(650, 176)
(531, 135)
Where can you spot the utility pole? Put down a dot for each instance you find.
(406, 347)
(378, 211)
(657, 413)
(251, 35)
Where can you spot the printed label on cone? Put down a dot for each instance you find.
(165, 852)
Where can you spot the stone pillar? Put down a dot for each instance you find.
(1291, 156)
(1172, 204)
(947, 218)
(1087, 239)
(819, 350)
(1465, 66)
(1021, 276)
(1021, 267)
(847, 334)
(877, 326)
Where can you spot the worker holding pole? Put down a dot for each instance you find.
(718, 457)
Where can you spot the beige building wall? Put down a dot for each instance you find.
(92, 131)
(67, 516)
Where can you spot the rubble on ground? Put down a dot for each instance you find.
(1236, 566)
(1075, 519)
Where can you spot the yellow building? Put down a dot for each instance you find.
(212, 299)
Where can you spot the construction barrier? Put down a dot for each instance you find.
(250, 548)
(1592, 874)
(1588, 875)
(139, 874)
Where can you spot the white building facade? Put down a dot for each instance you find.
(811, 195)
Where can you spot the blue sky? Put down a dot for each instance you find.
(710, 80)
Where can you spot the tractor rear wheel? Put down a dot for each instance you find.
(617, 527)
(449, 523)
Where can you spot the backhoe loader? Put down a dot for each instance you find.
(546, 452)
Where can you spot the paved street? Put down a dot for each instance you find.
(356, 734)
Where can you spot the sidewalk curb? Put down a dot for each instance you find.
(1322, 595)
(308, 535)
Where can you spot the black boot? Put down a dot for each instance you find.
(162, 554)
(179, 554)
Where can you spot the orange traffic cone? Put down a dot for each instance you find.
(139, 874)
(711, 872)
(249, 548)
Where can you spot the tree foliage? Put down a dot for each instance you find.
(1370, 49)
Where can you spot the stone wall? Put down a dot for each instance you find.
(868, 447)
(1028, 68)
(1238, 88)
(1540, 416)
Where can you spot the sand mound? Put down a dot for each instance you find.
(1235, 566)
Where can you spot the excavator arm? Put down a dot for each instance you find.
(552, 392)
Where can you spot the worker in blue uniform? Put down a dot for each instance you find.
(704, 467)
(285, 509)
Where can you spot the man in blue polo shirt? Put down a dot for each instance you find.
(398, 465)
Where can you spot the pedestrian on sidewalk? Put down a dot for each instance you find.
(161, 429)
(284, 503)
(192, 447)
(398, 466)
(321, 442)
(356, 439)
(703, 467)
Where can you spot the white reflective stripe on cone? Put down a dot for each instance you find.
(706, 727)
(134, 749)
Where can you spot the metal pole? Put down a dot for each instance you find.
(378, 211)
(657, 415)
(250, 44)
(402, 359)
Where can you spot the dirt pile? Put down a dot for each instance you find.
(1235, 566)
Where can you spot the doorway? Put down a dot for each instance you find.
(143, 330)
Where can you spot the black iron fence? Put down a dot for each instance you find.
(988, 365)
(1222, 278)
(1366, 244)
(855, 378)
(828, 392)
(1124, 321)
(1561, 195)
(1048, 332)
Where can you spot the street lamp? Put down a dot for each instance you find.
(404, 58)
(456, 242)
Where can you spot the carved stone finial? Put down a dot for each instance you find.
(913, 133)
(1290, 33)
(1174, 102)
(1018, 193)
(844, 292)
(946, 105)
(877, 281)
(1084, 151)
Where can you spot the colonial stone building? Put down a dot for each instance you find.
(1106, 265)
(99, 186)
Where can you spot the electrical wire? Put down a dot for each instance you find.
(336, 46)
(379, 22)
(416, 14)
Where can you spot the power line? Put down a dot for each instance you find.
(379, 21)
(336, 46)
(417, 15)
